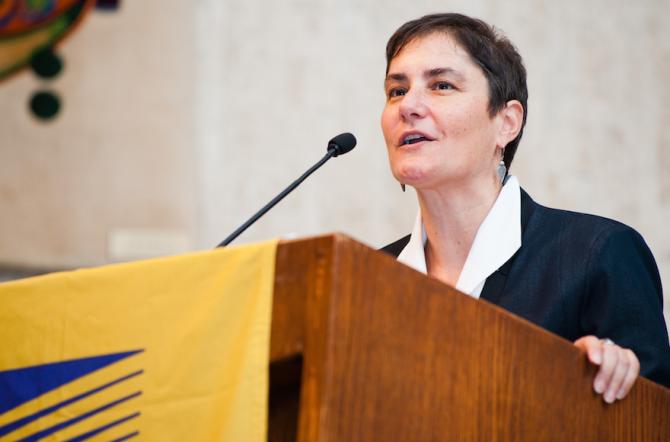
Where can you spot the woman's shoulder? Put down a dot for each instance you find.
(580, 226)
(589, 244)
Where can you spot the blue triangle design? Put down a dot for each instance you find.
(21, 385)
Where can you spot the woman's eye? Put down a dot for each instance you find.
(443, 86)
(396, 92)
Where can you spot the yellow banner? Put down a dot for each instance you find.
(171, 349)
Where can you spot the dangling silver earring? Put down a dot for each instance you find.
(402, 186)
(502, 169)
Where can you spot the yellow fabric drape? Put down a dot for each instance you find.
(170, 349)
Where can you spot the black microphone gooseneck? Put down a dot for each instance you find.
(339, 145)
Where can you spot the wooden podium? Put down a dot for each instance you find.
(366, 349)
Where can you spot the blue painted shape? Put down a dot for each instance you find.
(106, 427)
(75, 420)
(13, 426)
(127, 436)
(21, 385)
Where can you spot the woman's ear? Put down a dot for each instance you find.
(511, 118)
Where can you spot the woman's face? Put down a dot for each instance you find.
(436, 121)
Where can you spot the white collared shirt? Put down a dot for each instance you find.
(497, 239)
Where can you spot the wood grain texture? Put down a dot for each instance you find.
(390, 354)
(303, 275)
(300, 269)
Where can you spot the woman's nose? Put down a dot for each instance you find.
(413, 105)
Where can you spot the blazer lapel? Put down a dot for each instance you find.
(495, 283)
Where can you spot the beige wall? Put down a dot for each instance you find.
(182, 118)
(118, 159)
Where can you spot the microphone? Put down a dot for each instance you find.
(337, 146)
(342, 143)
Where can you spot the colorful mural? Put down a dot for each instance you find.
(30, 30)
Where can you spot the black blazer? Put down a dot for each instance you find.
(578, 275)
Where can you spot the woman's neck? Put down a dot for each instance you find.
(451, 216)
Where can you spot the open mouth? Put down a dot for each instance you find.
(413, 139)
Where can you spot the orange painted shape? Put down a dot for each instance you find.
(21, 21)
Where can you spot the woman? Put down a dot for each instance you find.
(454, 115)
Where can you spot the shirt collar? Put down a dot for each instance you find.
(497, 239)
(413, 254)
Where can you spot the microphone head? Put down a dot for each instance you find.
(342, 144)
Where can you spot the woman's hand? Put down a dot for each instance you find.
(619, 367)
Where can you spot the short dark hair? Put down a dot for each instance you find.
(489, 49)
